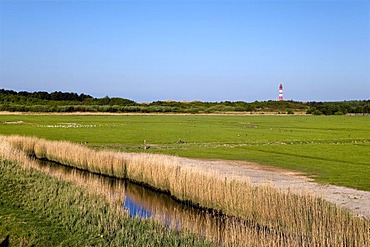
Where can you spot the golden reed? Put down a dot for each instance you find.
(281, 218)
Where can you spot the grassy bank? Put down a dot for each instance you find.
(301, 219)
(39, 210)
(331, 149)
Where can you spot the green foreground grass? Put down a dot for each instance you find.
(38, 210)
(330, 149)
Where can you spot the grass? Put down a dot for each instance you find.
(331, 149)
(292, 220)
(26, 229)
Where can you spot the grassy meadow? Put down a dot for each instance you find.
(331, 149)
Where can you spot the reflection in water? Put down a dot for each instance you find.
(136, 210)
(142, 202)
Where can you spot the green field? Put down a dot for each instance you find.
(331, 149)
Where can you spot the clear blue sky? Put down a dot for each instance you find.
(188, 50)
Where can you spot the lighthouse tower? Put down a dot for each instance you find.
(281, 92)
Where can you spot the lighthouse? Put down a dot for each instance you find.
(281, 92)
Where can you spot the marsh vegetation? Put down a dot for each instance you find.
(282, 218)
(44, 207)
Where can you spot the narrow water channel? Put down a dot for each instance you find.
(144, 202)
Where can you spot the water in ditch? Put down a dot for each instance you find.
(144, 202)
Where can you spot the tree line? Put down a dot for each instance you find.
(339, 108)
(72, 102)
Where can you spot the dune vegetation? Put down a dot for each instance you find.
(72, 102)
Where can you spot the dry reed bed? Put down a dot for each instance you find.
(229, 232)
(296, 219)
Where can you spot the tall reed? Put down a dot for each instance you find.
(304, 218)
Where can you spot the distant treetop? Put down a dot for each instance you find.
(57, 95)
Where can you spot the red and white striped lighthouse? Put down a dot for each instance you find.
(281, 92)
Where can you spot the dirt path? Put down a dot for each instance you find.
(356, 201)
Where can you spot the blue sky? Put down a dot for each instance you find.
(188, 50)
